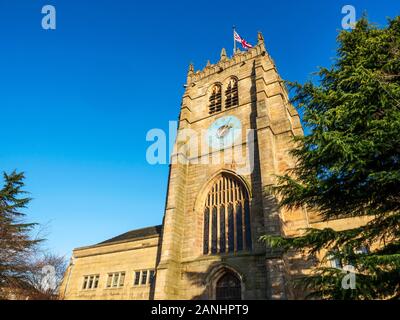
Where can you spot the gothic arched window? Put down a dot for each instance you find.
(215, 99)
(231, 94)
(228, 287)
(227, 217)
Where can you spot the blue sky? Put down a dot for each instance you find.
(76, 102)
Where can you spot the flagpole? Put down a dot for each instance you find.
(234, 41)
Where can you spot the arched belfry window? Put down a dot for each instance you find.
(231, 94)
(227, 217)
(215, 99)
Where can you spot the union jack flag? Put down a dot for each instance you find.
(244, 43)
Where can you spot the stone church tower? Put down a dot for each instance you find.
(217, 210)
(235, 130)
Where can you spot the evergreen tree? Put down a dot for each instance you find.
(349, 165)
(16, 244)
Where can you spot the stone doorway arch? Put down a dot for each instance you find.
(228, 287)
(225, 283)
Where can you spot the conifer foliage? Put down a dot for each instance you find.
(16, 243)
(349, 165)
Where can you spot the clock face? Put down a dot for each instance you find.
(223, 132)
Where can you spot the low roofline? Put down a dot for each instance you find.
(130, 236)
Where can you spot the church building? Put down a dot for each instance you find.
(218, 205)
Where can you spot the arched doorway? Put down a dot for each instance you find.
(228, 287)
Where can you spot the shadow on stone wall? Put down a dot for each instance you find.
(210, 277)
(153, 284)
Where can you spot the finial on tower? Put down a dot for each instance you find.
(191, 69)
(208, 64)
(223, 54)
(260, 37)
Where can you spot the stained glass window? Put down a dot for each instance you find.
(227, 217)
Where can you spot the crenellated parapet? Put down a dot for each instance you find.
(226, 62)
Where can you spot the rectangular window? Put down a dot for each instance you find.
(91, 278)
(109, 280)
(96, 281)
(116, 280)
(334, 261)
(90, 282)
(137, 278)
(144, 277)
(121, 279)
(361, 250)
(85, 282)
